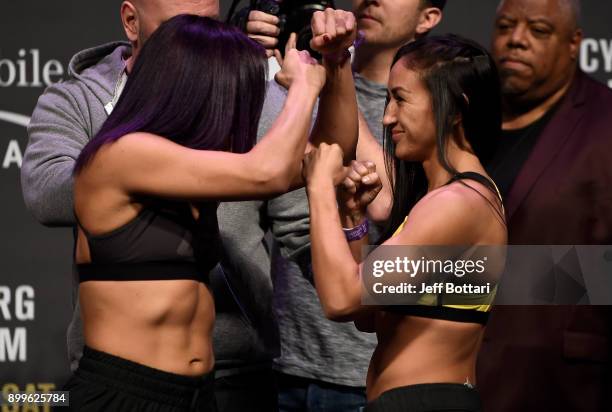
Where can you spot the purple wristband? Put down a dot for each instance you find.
(357, 232)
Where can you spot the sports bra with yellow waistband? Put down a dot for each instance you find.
(431, 305)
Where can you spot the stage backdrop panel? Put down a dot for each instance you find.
(37, 39)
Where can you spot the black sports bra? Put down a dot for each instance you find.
(163, 242)
(432, 305)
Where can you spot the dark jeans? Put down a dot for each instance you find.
(297, 394)
(430, 397)
(246, 391)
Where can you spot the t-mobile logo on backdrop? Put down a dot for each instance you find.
(28, 71)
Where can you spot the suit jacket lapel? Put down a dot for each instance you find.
(553, 137)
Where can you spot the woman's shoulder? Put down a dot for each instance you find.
(143, 138)
(451, 214)
(455, 199)
(139, 147)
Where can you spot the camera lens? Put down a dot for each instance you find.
(303, 39)
(270, 7)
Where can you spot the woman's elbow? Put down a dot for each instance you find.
(273, 185)
(276, 178)
(341, 310)
(380, 210)
(341, 301)
(349, 151)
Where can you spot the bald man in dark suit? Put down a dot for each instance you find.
(554, 167)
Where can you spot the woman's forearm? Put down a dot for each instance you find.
(279, 153)
(368, 149)
(336, 272)
(352, 219)
(337, 113)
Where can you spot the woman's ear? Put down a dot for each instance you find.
(458, 120)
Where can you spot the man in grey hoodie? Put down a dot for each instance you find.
(323, 364)
(70, 113)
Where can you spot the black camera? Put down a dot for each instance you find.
(294, 17)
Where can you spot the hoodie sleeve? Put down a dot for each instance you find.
(57, 133)
(246, 256)
(288, 213)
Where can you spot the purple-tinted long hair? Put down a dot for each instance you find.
(197, 82)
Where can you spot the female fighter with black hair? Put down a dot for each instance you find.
(442, 121)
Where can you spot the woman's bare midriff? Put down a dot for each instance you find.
(413, 350)
(163, 324)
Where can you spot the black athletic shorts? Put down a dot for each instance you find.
(104, 382)
(428, 397)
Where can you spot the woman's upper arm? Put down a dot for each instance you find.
(146, 164)
(446, 219)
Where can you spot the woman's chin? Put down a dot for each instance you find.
(403, 154)
(410, 152)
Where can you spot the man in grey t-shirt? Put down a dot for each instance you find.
(323, 364)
